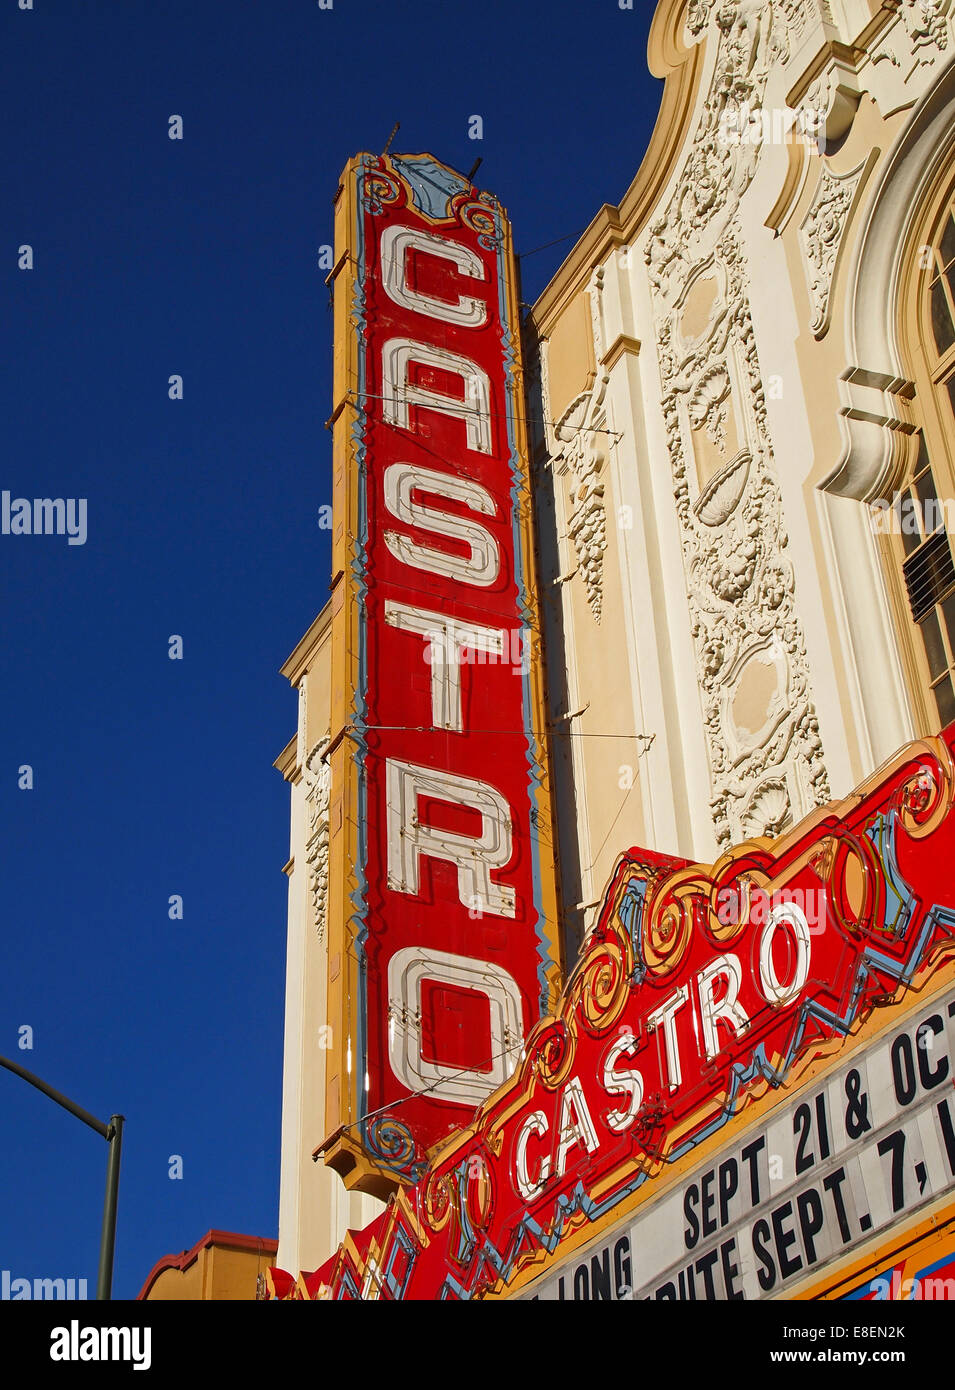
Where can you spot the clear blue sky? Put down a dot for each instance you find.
(154, 777)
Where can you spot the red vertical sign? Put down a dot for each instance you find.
(450, 930)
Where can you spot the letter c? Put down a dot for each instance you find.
(536, 1123)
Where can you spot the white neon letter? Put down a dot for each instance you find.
(482, 566)
(576, 1126)
(400, 393)
(475, 856)
(536, 1123)
(727, 968)
(446, 638)
(627, 1082)
(407, 971)
(396, 242)
(795, 919)
(666, 1014)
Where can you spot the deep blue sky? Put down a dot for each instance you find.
(154, 777)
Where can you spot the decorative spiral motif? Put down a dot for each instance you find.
(668, 926)
(391, 1141)
(851, 855)
(380, 189)
(730, 909)
(926, 797)
(439, 1200)
(553, 1053)
(480, 219)
(479, 1194)
(604, 987)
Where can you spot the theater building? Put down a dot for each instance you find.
(702, 877)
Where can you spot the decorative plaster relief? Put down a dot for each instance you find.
(768, 809)
(577, 448)
(580, 452)
(831, 102)
(740, 582)
(755, 697)
(801, 15)
(915, 42)
(317, 776)
(722, 494)
(925, 24)
(820, 237)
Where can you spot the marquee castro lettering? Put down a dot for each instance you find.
(810, 1187)
(682, 1023)
(713, 1013)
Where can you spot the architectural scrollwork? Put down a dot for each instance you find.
(581, 451)
(765, 752)
(577, 445)
(925, 23)
(820, 237)
(316, 774)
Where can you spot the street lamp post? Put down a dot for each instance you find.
(113, 1134)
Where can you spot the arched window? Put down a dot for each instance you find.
(920, 562)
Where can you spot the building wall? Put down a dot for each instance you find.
(315, 1209)
(222, 1266)
(725, 386)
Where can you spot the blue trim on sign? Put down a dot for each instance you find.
(432, 185)
(359, 719)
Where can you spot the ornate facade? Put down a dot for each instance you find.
(714, 446)
(740, 376)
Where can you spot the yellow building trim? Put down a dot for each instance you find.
(298, 661)
(620, 347)
(285, 762)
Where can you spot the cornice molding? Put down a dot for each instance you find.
(620, 347)
(299, 660)
(285, 762)
(832, 53)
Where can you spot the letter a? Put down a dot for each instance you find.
(59, 1336)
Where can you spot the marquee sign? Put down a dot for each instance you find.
(916, 1262)
(443, 948)
(868, 1147)
(712, 1000)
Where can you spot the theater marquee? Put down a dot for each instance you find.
(747, 1079)
(863, 1150)
(443, 946)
